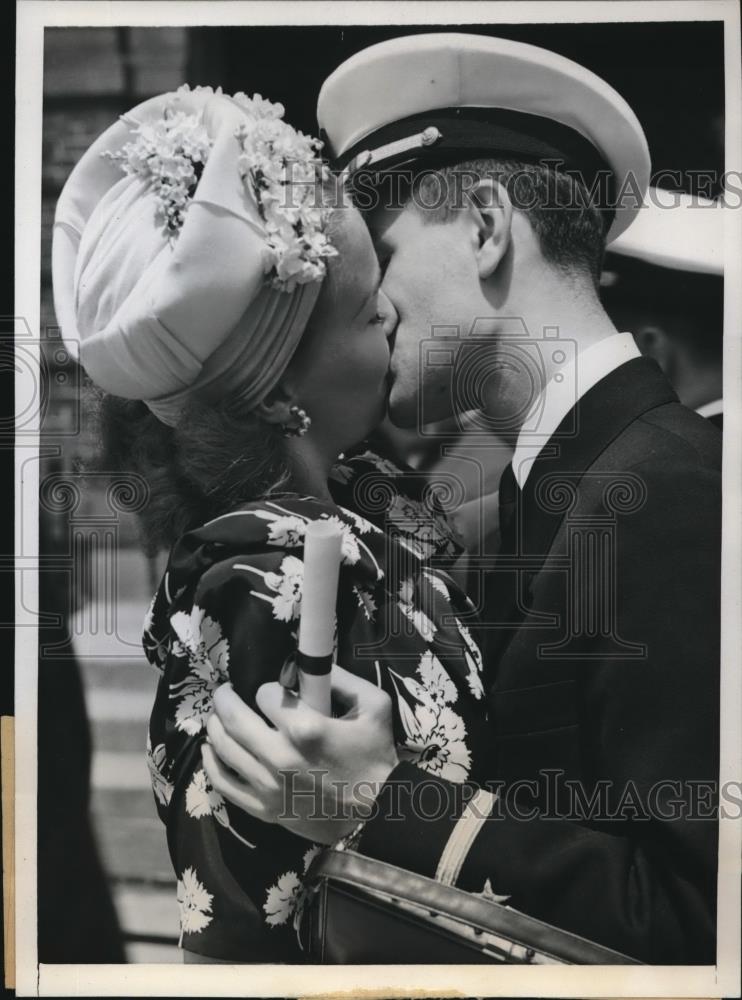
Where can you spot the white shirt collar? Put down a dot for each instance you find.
(568, 384)
(712, 409)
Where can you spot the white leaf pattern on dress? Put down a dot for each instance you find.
(436, 681)
(342, 472)
(195, 904)
(200, 639)
(156, 760)
(349, 545)
(423, 527)
(474, 681)
(149, 616)
(363, 526)
(287, 584)
(202, 800)
(441, 747)
(366, 602)
(285, 531)
(473, 661)
(155, 651)
(423, 625)
(411, 517)
(281, 899)
(309, 855)
(489, 893)
(410, 724)
(435, 733)
(288, 896)
(437, 584)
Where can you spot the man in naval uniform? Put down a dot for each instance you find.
(600, 613)
(663, 280)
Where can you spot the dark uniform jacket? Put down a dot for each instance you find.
(603, 691)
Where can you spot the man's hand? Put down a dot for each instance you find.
(315, 776)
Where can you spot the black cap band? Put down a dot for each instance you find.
(471, 133)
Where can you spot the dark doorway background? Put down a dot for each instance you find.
(672, 74)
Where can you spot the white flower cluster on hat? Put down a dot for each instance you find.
(169, 154)
(281, 165)
(285, 172)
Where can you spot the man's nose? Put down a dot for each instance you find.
(391, 317)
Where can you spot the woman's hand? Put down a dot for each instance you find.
(315, 776)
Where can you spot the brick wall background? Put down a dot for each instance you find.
(90, 77)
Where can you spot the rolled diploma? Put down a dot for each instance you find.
(322, 555)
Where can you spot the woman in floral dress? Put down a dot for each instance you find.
(234, 320)
(228, 609)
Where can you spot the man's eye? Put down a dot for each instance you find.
(378, 318)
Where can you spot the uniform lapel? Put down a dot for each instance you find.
(597, 419)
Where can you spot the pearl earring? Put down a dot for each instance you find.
(305, 421)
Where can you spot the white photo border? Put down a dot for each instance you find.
(382, 981)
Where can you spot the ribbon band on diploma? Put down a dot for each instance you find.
(314, 665)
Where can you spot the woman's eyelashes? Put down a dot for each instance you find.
(376, 312)
(384, 314)
(382, 317)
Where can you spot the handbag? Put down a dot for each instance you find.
(361, 911)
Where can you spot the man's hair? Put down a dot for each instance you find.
(570, 228)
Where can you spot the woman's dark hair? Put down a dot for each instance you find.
(217, 458)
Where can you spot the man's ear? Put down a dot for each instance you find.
(653, 342)
(493, 212)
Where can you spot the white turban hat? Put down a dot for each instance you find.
(162, 279)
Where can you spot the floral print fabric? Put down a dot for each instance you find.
(228, 609)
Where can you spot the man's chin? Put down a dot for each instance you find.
(402, 411)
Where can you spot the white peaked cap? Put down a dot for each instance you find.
(680, 231)
(532, 103)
